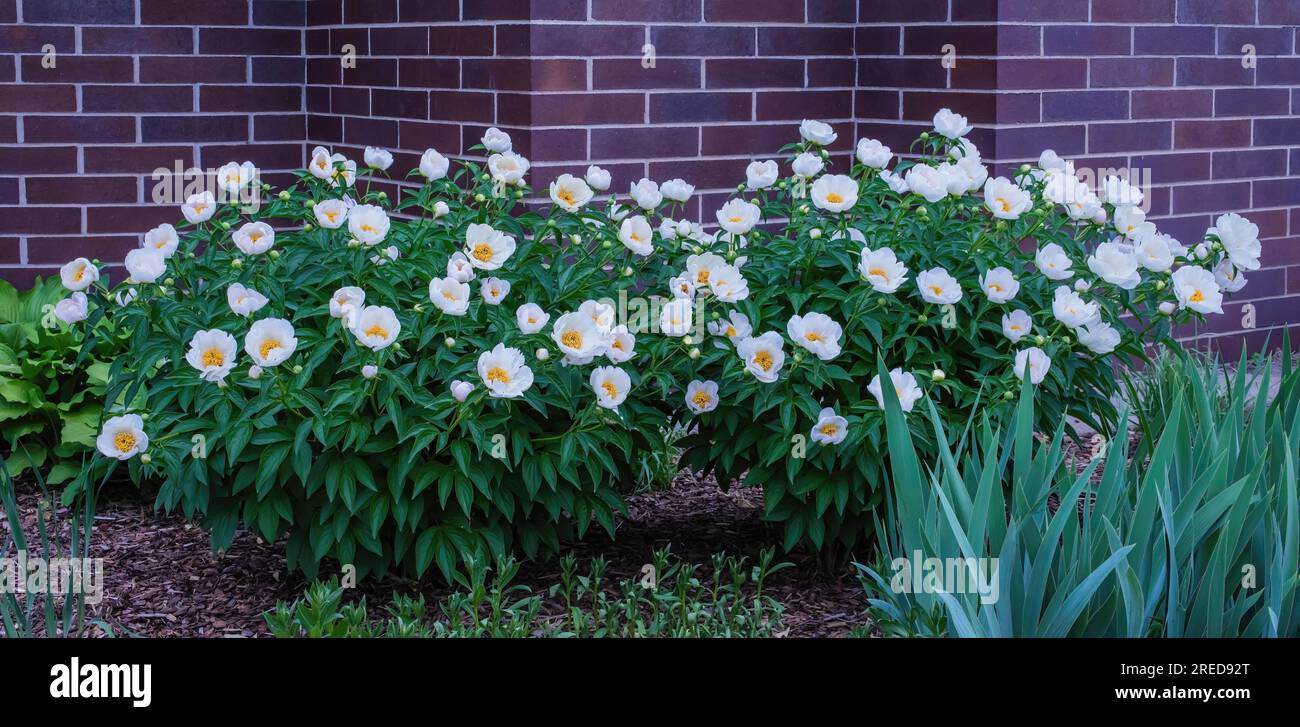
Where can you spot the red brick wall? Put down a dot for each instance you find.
(1150, 84)
(137, 85)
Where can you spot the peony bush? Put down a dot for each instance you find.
(404, 383)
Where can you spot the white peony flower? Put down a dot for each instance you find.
(450, 295)
(1035, 361)
(1101, 338)
(487, 248)
(1118, 192)
(602, 314)
(459, 267)
(254, 238)
(761, 175)
(999, 285)
(199, 207)
(162, 238)
(1053, 262)
(763, 355)
(234, 177)
(331, 213)
(636, 235)
(1154, 252)
(244, 301)
(830, 429)
(1196, 288)
(1229, 278)
(735, 326)
(433, 165)
(873, 154)
(882, 269)
(460, 390)
(1005, 200)
(598, 178)
(346, 302)
(570, 193)
(1016, 325)
(905, 388)
(145, 265)
(1070, 309)
(622, 345)
(835, 193)
(1131, 222)
(700, 267)
(676, 318)
(368, 223)
(495, 290)
(324, 165)
(531, 318)
(897, 184)
(73, 309)
(122, 437)
(677, 190)
(646, 194)
(125, 297)
(212, 354)
(951, 125)
(702, 396)
(503, 372)
(817, 332)
(1240, 239)
(377, 158)
(728, 284)
(579, 337)
(611, 385)
(938, 286)
(1115, 265)
(738, 216)
(817, 132)
(496, 140)
(682, 286)
(270, 342)
(808, 165)
(927, 181)
(79, 274)
(376, 327)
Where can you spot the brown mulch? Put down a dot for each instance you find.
(162, 580)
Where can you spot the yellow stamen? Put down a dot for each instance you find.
(1196, 297)
(936, 290)
(813, 336)
(829, 429)
(731, 331)
(702, 399)
(268, 346)
(702, 276)
(610, 389)
(565, 196)
(763, 360)
(496, 373)
(571, 339)
(482, 252)
(213, 357)
(377, 331)
(833, 198)
(124, 442)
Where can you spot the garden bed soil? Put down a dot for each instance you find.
(162, 580)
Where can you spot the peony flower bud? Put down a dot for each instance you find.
(254, 371)
(937, 375)
(815, 233)
(1167, 308)
(694, 353)
(542, 354)
(297, 369)
(449, 342)
(480, 198)
(369, 371)
(145, 458)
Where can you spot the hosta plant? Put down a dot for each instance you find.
(52, 381)
(387, 383)
(961, 283)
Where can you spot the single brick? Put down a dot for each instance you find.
(1233, 12)
(1249, 163)
(624, 73)
(1086, 40)
(1167, 104)
(208, 12)
(751, 73)
(1130, 136)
